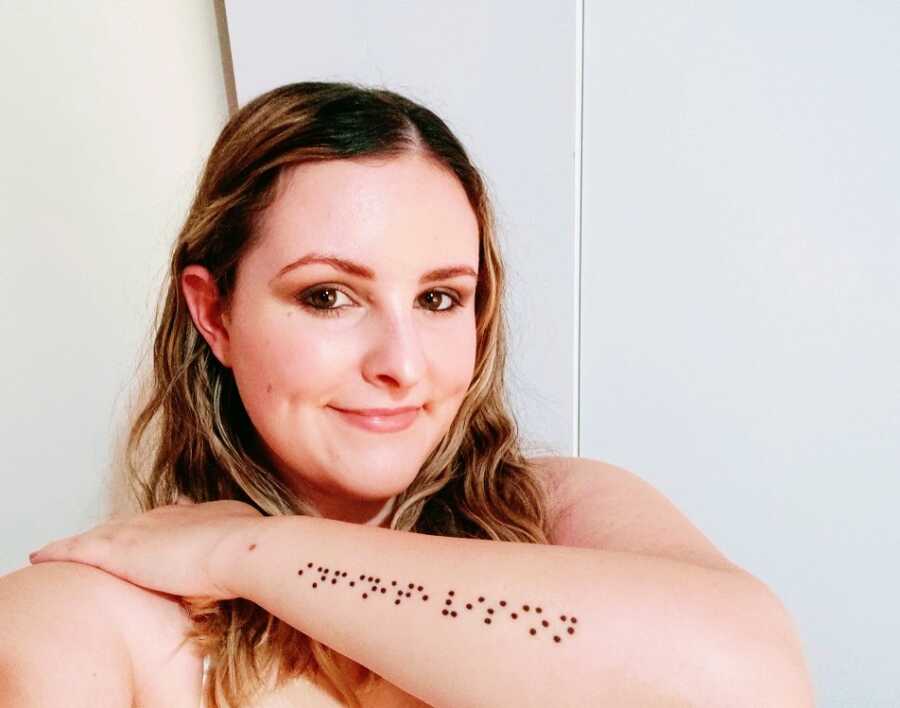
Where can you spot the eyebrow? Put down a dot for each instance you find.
(361, 271)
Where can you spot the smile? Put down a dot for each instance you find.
(379, 423)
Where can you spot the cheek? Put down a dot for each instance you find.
(274, 361)
(454, 359)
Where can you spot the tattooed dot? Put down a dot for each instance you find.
(487, 620)
(370, 578)
(562, 617)
(383, 590)
(319, 569)
(362, 577)
(538, 609)
(322, 578)
(525, 607)
(468, 605)
(352, 583)
(502, 603)
(411, 586)
(252, 546)
(377, 580)
(399, 592)
(480, 599)
(393, 582)
(309, 565)
(397, 601)
(514, 615)
(532, 631)
(490, 610)
(300, 572)
(424, 597)
(365, 595)
(374, 588)
(315, 585)
(448, 602)
(407, 594)
(444, 612)
(419, 588)
(545, 623)
(344, 574)
(450, 592)
(453, 613)
(555, 638)
(326, 570)
(333, 581)
(571, 630)
(573, 620)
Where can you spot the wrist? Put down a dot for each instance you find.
(227, 561)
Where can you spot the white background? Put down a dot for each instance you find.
(704, 262)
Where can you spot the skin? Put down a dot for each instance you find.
(387, 342)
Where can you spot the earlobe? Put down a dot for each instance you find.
(202, 298)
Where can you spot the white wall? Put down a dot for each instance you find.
(108, 110)
(741, 272)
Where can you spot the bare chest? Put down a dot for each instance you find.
(304, 693)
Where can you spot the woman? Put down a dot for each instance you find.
(334, 504)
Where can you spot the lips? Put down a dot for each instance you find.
(379, 420)
(377, 411)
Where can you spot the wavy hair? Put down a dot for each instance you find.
(190, 435)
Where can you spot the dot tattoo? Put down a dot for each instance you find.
(375, 587)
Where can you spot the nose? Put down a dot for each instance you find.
(396, 358)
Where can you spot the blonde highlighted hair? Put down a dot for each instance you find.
(190, 434)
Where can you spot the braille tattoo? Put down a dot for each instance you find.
(374, 586)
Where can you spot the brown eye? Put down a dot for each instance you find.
(324, 297)
(433, 297)
(321, 300)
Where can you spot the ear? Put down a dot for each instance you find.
(202, 297)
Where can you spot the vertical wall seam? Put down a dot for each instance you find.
(579, 162)
(225, 52)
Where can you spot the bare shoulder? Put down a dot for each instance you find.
(596, 504)
(65, 607)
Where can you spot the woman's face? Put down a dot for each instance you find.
(359, 295)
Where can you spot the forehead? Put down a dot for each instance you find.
(394, 214)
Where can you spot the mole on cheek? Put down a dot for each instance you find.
(269, 388)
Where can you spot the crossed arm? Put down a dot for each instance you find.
(466, 622)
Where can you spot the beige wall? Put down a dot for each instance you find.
(107, 111)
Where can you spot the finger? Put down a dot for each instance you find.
(63, 549)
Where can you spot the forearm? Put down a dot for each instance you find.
(464, 622)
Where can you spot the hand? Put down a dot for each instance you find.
(170, 549)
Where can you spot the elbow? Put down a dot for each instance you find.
(760, 659)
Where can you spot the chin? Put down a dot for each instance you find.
(371, 479)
